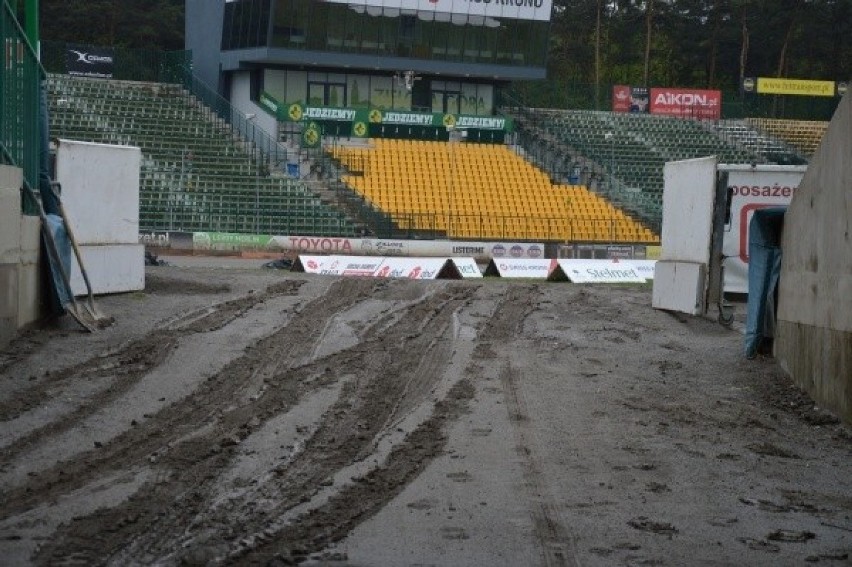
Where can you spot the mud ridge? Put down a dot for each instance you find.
(215, 395)
(139, 356)
(192, 464)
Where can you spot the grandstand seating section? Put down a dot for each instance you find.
(480, 191)
(804, 135)
(196, 174)
(633, 148)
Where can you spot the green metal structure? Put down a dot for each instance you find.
(20, 78)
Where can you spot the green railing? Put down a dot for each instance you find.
(20, 79)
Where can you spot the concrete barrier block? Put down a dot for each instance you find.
(8, 302)
(30, 294)
(10, 214)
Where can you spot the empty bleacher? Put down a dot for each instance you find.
(480, 191)
(632, 149)
(197, 175)
(804, 135)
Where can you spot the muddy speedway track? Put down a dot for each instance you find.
(247, 418)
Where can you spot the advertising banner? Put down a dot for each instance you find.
(520, 268)
(417, 268)
(639, 99)
(752, 189)
(467, 267)
(508, 9)
(598, 271)
(389, 247)
(359, 118)
(687, 103)
(378, 267)
(621, 98)
(89, 61)
(769, 85)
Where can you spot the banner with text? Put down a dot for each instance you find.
(687, 103)
(749, 190)
(434, 9)
(89, 61)
(520, 268)
(360, 118)
(597, 271)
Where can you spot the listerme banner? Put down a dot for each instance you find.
(500, 9)
(362, 118)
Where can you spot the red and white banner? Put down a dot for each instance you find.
(393, 267)
(411, 248)
(520, 268)
(687, 103)
(751, 189)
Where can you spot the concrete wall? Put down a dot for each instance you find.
(203, 36)
(20, 292)
(814, 335)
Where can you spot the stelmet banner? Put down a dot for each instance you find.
(597, 271)
(89, 61)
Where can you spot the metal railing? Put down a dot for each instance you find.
(20, 83)
(263, 147)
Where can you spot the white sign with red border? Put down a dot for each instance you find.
(752, 188)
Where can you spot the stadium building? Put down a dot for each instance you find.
(425, 56)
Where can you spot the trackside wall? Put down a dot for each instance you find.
(814, 333)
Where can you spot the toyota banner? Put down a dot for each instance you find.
(88, 61)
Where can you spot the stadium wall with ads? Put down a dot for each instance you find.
(813, 340)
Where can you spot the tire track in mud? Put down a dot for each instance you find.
(141, 355)
(181, 513)
(126, 366)
(554, 537)
(211, 399)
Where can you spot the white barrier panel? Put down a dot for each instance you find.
(418, 269)
(316, 264)
(467, 267)
(377, 267)
(597, 271)
(517, 268)
(645, 268)
(410, 248)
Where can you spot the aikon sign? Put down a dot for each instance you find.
(432, 9)
(687, 103)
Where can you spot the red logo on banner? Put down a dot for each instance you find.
(620, 98)
(687, 103)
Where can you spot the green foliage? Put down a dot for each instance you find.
(151, 24)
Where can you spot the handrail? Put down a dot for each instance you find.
(264, 148)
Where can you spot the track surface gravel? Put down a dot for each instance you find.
(249, 417)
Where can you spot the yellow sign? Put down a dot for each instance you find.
(767, 85)
(295, 112)
(359, 129)
(375, 116)
(449, 120)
